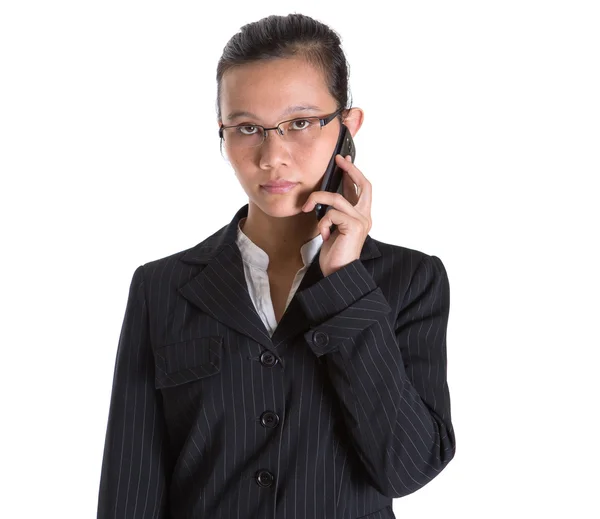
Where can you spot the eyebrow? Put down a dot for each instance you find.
(287, 111)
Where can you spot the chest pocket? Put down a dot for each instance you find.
(182, 362)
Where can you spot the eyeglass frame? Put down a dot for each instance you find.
(323, 121)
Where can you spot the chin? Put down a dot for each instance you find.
(280, 206)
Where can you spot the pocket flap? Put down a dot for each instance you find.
(186, 361)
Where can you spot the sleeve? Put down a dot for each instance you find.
(133, 481)
(389, 374)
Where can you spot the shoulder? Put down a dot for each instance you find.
(399, 257)
(398, 267)
(189, 260)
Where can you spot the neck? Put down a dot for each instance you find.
(280, 237)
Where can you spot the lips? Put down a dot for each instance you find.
(279, 187)
(283, 183)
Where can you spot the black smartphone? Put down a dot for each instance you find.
(332, 180)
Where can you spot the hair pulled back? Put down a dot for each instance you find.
(294, 35)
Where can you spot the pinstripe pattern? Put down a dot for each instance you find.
(343, 408)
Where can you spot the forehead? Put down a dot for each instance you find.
(268, 88)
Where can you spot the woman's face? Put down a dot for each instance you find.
(266, 89)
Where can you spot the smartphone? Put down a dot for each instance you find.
(332, 180)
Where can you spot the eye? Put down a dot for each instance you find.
(244, 129)
(303, 124)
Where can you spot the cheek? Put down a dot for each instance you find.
(241, 165)
(318, 159)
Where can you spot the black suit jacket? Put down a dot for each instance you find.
(344, 408)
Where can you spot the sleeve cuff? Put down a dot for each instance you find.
(335, 292)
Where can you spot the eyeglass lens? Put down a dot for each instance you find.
(298, 131)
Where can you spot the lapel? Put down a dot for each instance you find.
(221, 290)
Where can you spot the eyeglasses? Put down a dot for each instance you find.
(302, 131)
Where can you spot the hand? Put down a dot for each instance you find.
(351, 213)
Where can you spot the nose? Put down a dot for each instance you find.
(274, 151)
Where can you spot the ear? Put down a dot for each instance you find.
(354, 119)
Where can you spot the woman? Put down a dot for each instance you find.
(278, 369)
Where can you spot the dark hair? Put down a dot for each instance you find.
(294, 35)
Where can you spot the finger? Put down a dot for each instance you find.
(344, 222)
(325, 227)
(364, 193)
(350, 190)
(335, 200)
(355, 174)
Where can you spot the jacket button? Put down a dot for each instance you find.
(264, 478)
(269, 419)
(268, 359)
(320, 339)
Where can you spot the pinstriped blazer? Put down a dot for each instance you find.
(344, 408)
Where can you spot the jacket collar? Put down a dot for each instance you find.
(229, 301)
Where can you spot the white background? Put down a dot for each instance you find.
(481, 139)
